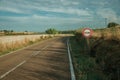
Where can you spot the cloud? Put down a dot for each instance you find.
(26, 8)
(57, 12)
(38, 22)
(108, 13)
(69, 2)
(9, 9)
(66, 10)
(37, 18)
(100, 3)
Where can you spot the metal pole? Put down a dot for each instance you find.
(88, 45)
(118, 73)
(105, 21)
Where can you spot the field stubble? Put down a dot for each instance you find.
(10, 43)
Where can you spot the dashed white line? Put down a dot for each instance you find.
(37, 52)
(70, 62)
(46, 47)
(5, 74)
(34, 54)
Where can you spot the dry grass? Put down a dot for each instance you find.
(10, 43)
(105, 49)
(13, 42)
(108, 33)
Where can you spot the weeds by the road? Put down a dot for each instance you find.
(85, 66)
(6, 47)
(105, 49)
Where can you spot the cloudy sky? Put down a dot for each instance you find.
(39, 15)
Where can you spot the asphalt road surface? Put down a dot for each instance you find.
(47, 60)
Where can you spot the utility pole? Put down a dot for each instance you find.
(105, 21)
(118, 72)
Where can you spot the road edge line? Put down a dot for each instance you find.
(70, 62)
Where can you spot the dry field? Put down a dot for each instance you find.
(10, 43)
(108, 33)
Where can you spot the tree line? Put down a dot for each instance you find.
(54, 31)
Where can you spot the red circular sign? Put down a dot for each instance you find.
(87, 32)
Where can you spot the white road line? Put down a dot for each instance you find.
(45, 47)
(5, 74)
(34, 54)
(37, 52)
(70, 62)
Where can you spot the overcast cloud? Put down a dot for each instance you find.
(38, 15)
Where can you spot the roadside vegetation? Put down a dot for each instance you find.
(54, 31)
(85, 66)
(51, 31)
(11, 43)
(11, 40)
(102, 61)
(12, 32)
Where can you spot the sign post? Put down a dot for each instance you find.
(87, 33)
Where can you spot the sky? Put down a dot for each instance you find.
(40, 15)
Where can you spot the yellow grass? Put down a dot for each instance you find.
(10, 43)
(108, 33)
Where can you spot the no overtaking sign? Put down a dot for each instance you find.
(87, 32)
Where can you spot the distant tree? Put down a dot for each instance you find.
(51, 31)
(5, 31)
(67, 32)
(11, 31)
(112, 24)
(26, 31)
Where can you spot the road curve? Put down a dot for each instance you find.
(44, 61)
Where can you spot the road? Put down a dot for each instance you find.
(47, 60)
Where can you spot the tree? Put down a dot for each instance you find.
(6, 31)
(11, 31)
(51, 31)
(112, 24)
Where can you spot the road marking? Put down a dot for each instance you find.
(70, 61)
(37, 52)
(45, 47)
(34, 54)
(5, 74)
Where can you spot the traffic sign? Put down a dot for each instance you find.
(87, 32)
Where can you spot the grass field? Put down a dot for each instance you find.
(108, 33)
(11, 43)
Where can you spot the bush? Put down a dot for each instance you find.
(51, 31)
(107, 56)
(112, 24)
